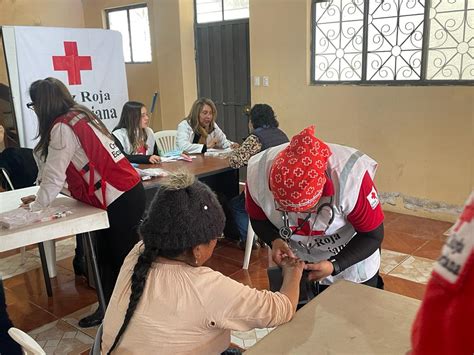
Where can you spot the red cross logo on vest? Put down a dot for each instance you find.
(72, 62)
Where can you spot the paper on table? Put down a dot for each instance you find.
(176, 158)
(152, 172)
(215, 150)
(220, 153)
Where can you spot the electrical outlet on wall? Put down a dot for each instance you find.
(266, 80)
(256, 81)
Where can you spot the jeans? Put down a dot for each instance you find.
(237, 205)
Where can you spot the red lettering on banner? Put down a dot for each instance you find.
(72, 62)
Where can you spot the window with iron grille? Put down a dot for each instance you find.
(395, 42)
(132, 22)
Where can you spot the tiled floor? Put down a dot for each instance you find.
(410, 247)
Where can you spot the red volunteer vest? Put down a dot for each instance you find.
(445, 320)
(106, 165)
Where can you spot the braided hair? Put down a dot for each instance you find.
(183, 214)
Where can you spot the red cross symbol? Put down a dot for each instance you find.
(72, 63)
(373, 195)
(306, 229)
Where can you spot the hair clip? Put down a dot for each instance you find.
(205, 207)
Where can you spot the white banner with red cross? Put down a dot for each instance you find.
(89, 61)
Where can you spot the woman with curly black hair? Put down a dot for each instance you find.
(167, 302)
(264, 133)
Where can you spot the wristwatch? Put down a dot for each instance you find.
(335, 265)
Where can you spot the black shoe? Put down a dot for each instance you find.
(92, 320)
(232, 351)
(255, 245)
(79, 265)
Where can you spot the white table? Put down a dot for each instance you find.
(347, 318)
(84, 219)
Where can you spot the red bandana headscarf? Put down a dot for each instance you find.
(297, 176)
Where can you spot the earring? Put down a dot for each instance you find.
(196, 261)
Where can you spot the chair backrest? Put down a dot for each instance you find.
(8, 181)
(166, 141)
(95, 350)
(20, 167)
(27, 343)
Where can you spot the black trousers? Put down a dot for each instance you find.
(7, 345)
(114, 243)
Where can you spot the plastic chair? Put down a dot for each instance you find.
(95, 350)
(248, 246)
(166, 141)
(27, 343)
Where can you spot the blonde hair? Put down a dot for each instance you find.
(193, 117)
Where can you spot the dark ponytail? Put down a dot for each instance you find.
(140, 273)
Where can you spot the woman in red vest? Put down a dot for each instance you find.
(76, 154)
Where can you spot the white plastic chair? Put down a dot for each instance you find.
(248, 246)
(166, 141)
(27, 343)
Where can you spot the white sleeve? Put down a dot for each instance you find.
(121, 135)
(62, 147)
(40, 165)
(184, 139)
(222, 141)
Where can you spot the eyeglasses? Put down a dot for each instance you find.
(30, 105)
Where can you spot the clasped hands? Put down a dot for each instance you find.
(317, 271)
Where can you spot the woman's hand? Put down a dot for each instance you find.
(154, 159)
(234, 145)
(25, 201)
(280, 249)
(212, 143)
(292, 265)
(319, 271)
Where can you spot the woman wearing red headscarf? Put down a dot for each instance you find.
(318, 201)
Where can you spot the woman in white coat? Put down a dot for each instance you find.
(199, 131)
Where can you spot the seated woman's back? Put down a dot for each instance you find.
(186, 309)
(165, 301)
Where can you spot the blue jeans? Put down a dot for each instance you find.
(237, 205)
